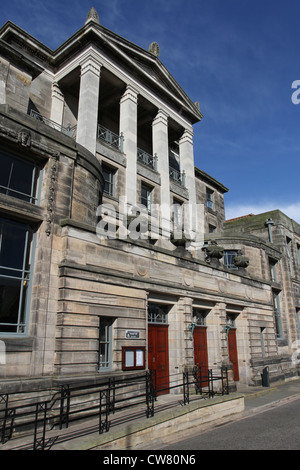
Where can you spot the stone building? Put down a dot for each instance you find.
(272, 241)
(96, 136)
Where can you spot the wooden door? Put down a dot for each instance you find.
(158, 356)
(233, 355)
(200, 352)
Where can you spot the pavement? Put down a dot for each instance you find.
(260, 398)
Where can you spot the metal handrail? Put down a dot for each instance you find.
(147, 159)
(177, 176)
(84, 402)
(109, 137)
(70, 131)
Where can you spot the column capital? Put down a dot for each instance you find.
(187, 136)
(90, 64)
(56, 91)
(161, 118)
(130, 94)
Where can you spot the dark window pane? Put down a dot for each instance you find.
(12, 243)
(9, 301)
(5, 165)
(17, 177)
(21, 179)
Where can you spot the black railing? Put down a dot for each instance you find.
(91, 407)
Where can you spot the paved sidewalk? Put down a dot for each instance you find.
(257, 398)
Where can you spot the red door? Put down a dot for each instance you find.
(233, 356)
(158, 356)
(200, 352)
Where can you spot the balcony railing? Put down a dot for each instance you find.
(70, 131)
(110, 138)
(177, 176)
(147, 159)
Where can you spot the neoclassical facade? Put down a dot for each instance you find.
(115, 256)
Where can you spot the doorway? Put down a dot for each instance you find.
(200, 343)
(233, 354)
(158, 346)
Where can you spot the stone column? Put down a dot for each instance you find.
(194, 216)
(87, 121)
(161, 149)
(128, 127)
(57, 106)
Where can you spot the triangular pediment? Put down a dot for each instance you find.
(144, 65)
(149, 68)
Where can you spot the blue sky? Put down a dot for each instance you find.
(238, 58)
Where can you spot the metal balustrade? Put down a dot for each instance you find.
(42, 420)
(177, 176)
(70, 131)
(110, 138)
(147, 159)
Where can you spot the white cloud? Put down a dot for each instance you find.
(291, 210)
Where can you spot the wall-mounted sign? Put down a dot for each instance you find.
(132, 334)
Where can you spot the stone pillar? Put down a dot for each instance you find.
(128, 127)
(87, 121)
(57, 106)
(161, 149)
(186, 152)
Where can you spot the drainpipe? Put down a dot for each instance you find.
(269, 223)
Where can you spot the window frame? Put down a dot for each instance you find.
(199, 316)
(34, 195)
(25, 278)
(146, 202)
(273, 270)
(232, 254)
(277, 315)
(210, 199)
(108, 325)
(111, 182)
(154, 318)
(289, 255)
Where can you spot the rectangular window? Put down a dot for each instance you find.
(262, 342)
(15, 275)
(229, 256)
(177, 215)
(273, 274)
(18, 178)
(210, 199)
(158, 313)
(230, 319)
(146, 196)
(277, 312)
(289, 254)
(199, 316)
(298, 321)
(105, 339)
(109, 178)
